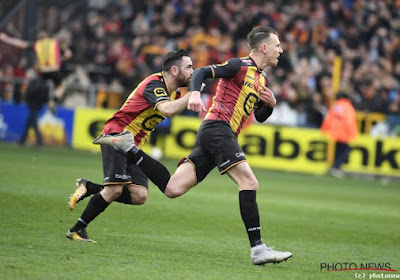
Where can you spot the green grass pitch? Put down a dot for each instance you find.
(197, 236)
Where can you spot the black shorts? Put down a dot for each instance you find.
(216, 145)
(55, 76)
(118, 169)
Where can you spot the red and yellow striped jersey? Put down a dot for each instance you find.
(48, 55)
(139, 113)
(237, 92)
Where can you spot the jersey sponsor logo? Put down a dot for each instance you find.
(162, 98)
(151, 122)
(122, 176)
(160, 92)
(249, 102)
(238, 155)
(250, 77)
(248, 84)
(139, 161)
(225, 163)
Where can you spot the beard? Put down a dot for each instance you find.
(182, 81)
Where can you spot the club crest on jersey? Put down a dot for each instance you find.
(160, 92)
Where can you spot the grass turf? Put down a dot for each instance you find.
(198, 236)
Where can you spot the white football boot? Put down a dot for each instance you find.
(123, 141)
(262, 254)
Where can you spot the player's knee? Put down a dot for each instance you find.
(181, 182)
(250, 184)
(113, 192)
(139, 195)
(172, 192)
(139, 199)
(254, 184)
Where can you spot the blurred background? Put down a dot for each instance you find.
(329, 47)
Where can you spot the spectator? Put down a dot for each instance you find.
(363, 34)
(36, 96)
(341, 126)
(48, 55)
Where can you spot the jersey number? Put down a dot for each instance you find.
(249, 102)
(151, 122)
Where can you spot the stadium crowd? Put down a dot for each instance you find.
(120, 42)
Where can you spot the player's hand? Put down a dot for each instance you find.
(3, 36)
(195, 103)
(267, 96)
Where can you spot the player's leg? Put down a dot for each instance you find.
(115, 174)
(244, 177)
(138, 194)
(84, 188)
(59, 86)
(191, 171)
(138, 189)
(124, 142)
(97, 204)
(182, 181)
(223, 145)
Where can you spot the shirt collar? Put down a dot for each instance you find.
(258, 69)
(165, 82)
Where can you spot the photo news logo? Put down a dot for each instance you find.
(376, 269)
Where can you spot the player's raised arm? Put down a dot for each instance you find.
(228, 69)
(13, 41)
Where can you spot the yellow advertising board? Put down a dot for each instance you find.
(285, 148)
(182, 137)
(88, 123)
(294, 149)
(265, 146)
(375, 156)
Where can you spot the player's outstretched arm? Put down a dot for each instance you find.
(13, 41)
(171, 108)
(196, 103)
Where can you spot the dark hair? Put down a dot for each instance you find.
(259, 34)
(172, 59)
(342, 94)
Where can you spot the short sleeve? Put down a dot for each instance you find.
(155, 93)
